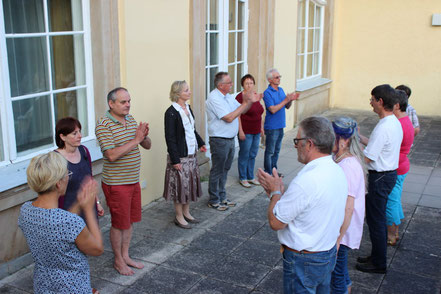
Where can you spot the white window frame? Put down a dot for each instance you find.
(223, 31)
(13, 167)
(312, 79)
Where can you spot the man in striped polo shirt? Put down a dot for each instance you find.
(119, 136)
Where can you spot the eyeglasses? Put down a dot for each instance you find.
(278, 77)
(297, 140)
(69, 174)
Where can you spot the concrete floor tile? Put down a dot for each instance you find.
(108, 272)
(6, 289)
(266, 234)
(410, 198)
(416, 178)
(105, 286)
(241, 272)
(420, 170)
(436, 172)
(419, 263)
(212, 286)
(154, 251)
(245, 228)
(164, 280)
(413, 187)
(393, 283)
(217, 242)
(272, 283)
(434, 181)
(259, 251)
(432, 190)
(22, 280)
(430, 201)
(195, 260)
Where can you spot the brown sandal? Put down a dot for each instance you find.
(391, 243)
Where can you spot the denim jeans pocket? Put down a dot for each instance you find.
(316, 272)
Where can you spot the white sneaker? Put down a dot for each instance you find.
(245, 184)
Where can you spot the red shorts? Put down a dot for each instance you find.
(124, 202)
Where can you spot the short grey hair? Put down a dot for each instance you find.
(176, 89)
(319, 129)
(45, 171)
(112, 94)
(269, 73)
(219, 77)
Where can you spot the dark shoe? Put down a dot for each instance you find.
(229, 203)
(370, 268)
(192, 221)
(181, 225)
(218, 206)
(364, 259)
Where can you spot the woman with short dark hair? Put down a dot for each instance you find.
(250, 129)
(68, 139)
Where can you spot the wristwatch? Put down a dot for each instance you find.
(274, 193)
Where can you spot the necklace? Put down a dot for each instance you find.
(338, 159)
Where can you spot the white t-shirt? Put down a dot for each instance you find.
(357, 189)
(219, 105)
(313, 206)
(188, 122)
(384, 144)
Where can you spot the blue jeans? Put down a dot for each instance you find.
(308, 272)
(379, 187)
(222, 154)
(247, 156)
(273, 143)
(340, 280)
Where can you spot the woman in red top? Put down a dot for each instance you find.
(394, 210)
(250, 128)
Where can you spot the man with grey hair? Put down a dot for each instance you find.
(223, 126)
(119, 136)
(275, 103)
(308, 216)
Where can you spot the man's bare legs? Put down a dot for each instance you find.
(120, 241)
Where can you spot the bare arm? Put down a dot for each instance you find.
(417, 131)
(241, 133)
(274, 223)
(233, 115)
(349, 210)
(118, 152)
(146, 143)
(89, 241)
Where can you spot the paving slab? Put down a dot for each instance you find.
(237, 252)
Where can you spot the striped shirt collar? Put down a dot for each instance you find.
(128, 117)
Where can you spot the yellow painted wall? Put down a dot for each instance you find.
(393, 42)
(285, 35)
(154, 42)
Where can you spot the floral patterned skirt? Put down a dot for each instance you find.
(185, 185)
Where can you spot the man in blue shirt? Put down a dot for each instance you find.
(275, 103)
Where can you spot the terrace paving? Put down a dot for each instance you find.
(236, 252)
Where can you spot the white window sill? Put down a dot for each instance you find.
(311, 84)
(14, 174)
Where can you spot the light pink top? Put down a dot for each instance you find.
(408, 134)
(356, 188)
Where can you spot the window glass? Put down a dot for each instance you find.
(2, 151)
(68, 61)
(28, 67)
(241, 15)
(232, 15)
(231, 47)
(240, 47)
(23, 16)
(33, 124)
(65, 15)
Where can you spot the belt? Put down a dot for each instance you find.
(223, 138)
(283, 246)
(371, 171)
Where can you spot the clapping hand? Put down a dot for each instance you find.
(292, 96)
(270, 183)
(88, 192)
